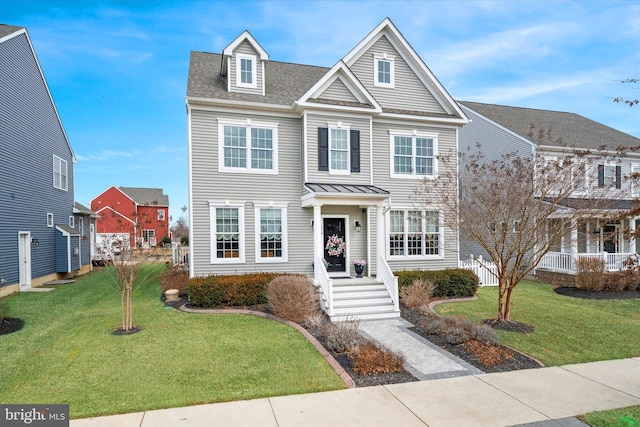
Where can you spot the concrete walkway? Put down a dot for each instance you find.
(423, 359)
(535, 397)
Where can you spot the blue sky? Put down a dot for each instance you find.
(117, 70)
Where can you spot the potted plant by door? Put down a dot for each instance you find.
(358, 265)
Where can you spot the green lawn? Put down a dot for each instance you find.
(624, 417)
(567, 330)
(67, 354)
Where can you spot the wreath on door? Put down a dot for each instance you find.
(335, 245)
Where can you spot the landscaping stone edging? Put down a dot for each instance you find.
(323, 352)
(433, 304)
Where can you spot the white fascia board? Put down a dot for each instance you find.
(346, 199)
(350, 80)
(246, 35)
(113, 210)
(338, 108)
(199, 101)
(397, 40)
(46, 86)
(431, 119)
(510, 132)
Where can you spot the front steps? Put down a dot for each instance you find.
(363, 299)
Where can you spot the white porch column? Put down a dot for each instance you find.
(318, 249)
(380, 233)
(632, 239)
(574, 242)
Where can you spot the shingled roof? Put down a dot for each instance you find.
(285, 82)
(5, 29)
(146, 196)
(573, 129)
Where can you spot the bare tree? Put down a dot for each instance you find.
(516, 207)
(180, 227)
(128, 259)
(629, 102)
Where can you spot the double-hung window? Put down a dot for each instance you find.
(60, 177)
(227, 232)
(248, 147)
(414, 233)
(246, 71)
(339, 150)
(609, 176)
(383, 71)
(413, 156)
(271, 233)
(160, 215)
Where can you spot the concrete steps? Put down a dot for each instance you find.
(363, 299)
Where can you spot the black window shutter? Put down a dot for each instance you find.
(355, 151)
(323, 149)
(600, 176)
(618, 176)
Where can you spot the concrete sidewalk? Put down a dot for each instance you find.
(533, 397)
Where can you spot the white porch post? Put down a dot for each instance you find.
(318, 249)
(574, 242)
(380, 233)
(632, 239)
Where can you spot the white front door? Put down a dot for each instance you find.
(24, 255)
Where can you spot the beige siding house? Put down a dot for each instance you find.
(297, 168)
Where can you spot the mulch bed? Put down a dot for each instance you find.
(10, 324)
(601, 295)
(515, 362)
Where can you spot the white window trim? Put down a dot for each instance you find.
(407, 257)
(390, 60)
(158, 215)
(213, 205)
(248, 124)
(254, 74)
(413, 134)
(72, 221)
(340, 126)
(285, 247)
(60, 161)
(635, 183)
(49, 219)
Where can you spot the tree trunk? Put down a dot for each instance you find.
(504, 302)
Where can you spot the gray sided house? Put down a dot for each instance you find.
(299, 168)
(39, 237)
(502, 129)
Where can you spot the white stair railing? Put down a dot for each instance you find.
(325, 283)
(390, 281)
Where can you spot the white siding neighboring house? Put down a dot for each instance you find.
(284, 156)
(503, 129)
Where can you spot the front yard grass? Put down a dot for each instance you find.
(567, 330)
(623, 417)
(66, 353)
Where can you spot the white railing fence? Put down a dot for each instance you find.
(486, 271)
(322, 280)
(560, 261)
(180, 254)
(390, 281)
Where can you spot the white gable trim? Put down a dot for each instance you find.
(342, 72)
(228, 51)
(387, 28)
(499, 126)
(44, 81)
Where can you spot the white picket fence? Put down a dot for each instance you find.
(485, 270)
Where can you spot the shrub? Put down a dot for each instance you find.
(417, 294)
(590, 273)
(370, 358)
(292, 298)
(486, 335)
(235, 290)
(184, 240)
(340, 337)
(166, 240)
(456, 335)
(622, 280)
(175, 278)
(448, 283)
(434, 325)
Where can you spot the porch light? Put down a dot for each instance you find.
(35, 241)
(357, 225)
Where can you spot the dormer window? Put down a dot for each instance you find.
(383, 71)
(246, 71)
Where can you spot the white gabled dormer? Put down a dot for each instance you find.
(243, 65)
